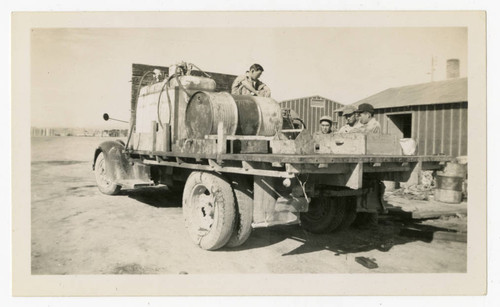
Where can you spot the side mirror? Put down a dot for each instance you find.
(106, 118)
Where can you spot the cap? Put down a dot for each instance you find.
(365, 107)
(349, 110)
(327, 118)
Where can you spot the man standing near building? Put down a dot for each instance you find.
(325, 123)
(368, 123)
(351, 117)
(249, 83)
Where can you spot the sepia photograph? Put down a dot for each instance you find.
(300, 146)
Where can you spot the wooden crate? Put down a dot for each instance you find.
(339, 144)
(249, 146)
(382, 144)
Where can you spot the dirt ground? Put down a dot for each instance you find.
(77, 230)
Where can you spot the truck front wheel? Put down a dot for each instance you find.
(208, 206)
(102, 177)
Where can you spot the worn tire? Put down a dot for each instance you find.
(103, 180)
(208, 207)
(244, 215)
(350, 212)
(324, 215)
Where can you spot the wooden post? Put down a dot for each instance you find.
(154, 128)
(221, 141)
(168, 144)
(175, 119)
(365, 138)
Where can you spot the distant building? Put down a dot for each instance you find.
(80, 132)
(311, 109)
(42, 131)
(434, 114)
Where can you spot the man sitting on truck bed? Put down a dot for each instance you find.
(325, 123)
(351, 117)
(368, 123)
(249, 83)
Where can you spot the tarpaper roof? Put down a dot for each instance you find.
(438, 92)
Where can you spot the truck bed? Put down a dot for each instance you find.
(293, 158)
(342, 170)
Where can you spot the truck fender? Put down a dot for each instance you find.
(108, 148)
(118, 165)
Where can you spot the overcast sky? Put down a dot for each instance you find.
(78, 74)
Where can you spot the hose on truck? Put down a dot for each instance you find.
(200, 70)
(176, 76)
(168, 98)
(158, 104)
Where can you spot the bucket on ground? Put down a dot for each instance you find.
(448, 188)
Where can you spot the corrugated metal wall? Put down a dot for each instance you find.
(311, 115)
(439, 128)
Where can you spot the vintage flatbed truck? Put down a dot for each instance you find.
(241, 162)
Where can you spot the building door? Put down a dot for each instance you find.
(399, 124)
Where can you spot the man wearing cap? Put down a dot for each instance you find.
(351, 117)
(325, 123)
(368, 123)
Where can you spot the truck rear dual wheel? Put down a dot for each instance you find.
(208, 206)
(324, 215)
(244, 215)
(102, 177)
(350, 212)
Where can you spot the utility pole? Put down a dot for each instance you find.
(433, 68)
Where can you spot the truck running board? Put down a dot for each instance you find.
(134, 183)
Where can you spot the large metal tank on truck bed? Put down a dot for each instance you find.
(240, 115)
(165, 103)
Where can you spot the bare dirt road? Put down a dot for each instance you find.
(77, 230)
